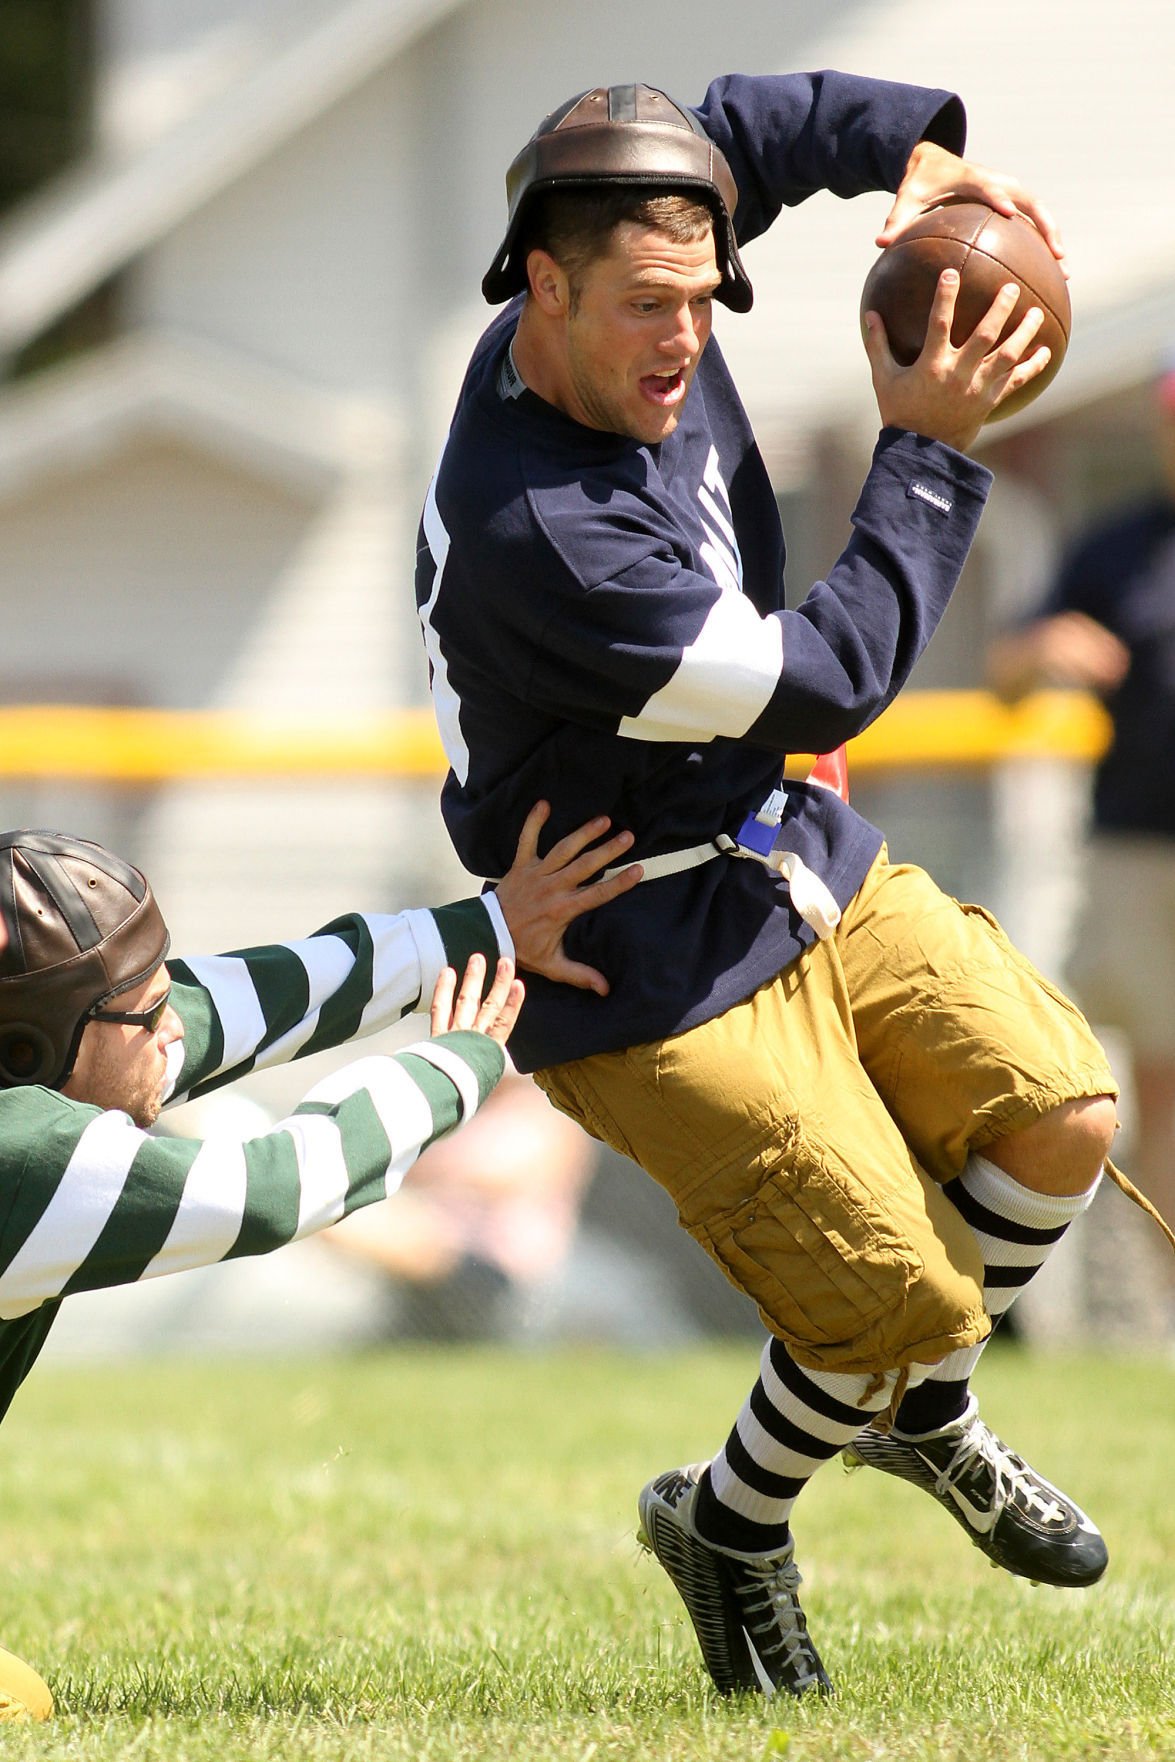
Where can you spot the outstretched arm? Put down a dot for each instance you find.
(110, 1204)
(264, 1006)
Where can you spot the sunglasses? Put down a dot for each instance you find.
(143, 1018)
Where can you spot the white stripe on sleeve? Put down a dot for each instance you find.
(409, 954)
(327, 962)
(406, 1117)
(454, 1068)
(208, 1220)
(234, 997)
(501, 928)
(724, 680)
(401, 1105)
(75, 1217)
(318, 1146)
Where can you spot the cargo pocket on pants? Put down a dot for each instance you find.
(823, 1265)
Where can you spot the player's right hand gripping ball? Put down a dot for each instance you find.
(988, 249)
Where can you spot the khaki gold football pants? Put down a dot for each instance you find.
(806, 1134)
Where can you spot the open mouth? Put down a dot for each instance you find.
(665, 389)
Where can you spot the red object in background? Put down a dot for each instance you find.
(832, 770)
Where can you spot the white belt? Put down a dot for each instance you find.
(671, 862)
(811, 898)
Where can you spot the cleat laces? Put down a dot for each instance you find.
(768, 1592)
(990, 1477)
(745, 1608)
(1012, 1514)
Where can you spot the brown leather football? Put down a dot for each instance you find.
(988, 249)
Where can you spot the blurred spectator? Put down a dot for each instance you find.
(471, 1242)
(1107, 626)
(535, 1232)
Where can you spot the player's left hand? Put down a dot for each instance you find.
(495, 1014)
(948, 393)
(934, 175)
(541, 895)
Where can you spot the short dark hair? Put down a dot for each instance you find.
(575, 226)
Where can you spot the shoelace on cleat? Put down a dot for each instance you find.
(781, 1630)
(1009, 1475)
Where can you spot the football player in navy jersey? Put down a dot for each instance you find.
(867, 1106)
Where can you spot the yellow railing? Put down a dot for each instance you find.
(923, 729)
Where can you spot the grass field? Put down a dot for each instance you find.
(431, 1556)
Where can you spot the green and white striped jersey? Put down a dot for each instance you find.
(87, 1199)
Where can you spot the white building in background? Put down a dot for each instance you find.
(293, 201)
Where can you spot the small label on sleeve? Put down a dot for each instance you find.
(922, 492)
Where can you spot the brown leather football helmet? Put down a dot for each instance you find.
(621, 135)
(77, 926)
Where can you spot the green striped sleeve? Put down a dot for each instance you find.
(367, 1149)
(465, 928)
(341, 1016)
(273, 1195)
(95, 1201)
(438, 1089)
(141, 1218)
(203, 1035)
(263, 1006)
(484, 1057)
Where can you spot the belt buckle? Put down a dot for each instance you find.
(756, 836)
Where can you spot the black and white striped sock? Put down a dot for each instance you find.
(1017, 1230)
(793, 1421)
(796, 1419)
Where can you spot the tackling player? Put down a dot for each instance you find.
(100, 1029)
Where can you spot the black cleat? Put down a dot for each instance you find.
(1019, 1520)
(745, 1608)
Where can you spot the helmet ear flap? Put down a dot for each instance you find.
(27, 1055)
(82, 926)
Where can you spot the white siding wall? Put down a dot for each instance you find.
(143, 575)
(305, 264)
(159, 58)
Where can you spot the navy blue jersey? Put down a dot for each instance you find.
(1123, 575)
(605, 628)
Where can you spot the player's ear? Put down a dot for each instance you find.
(548, 284)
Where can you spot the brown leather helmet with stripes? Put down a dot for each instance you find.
(78, 925)
(632, 135)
